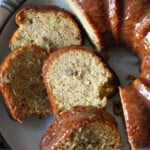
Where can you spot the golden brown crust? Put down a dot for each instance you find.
(42, 9)
(79, 109)
(53, 57)
(4, 90)
(72, 120)
(13, 38)
(39, 9)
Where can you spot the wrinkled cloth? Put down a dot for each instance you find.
(7, 7)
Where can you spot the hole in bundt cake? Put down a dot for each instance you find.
(119, 57)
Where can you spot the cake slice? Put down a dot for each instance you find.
(49, 27)
(100, 19)
(77, 76)
(22, 85)
(83, 128)
(94, 20)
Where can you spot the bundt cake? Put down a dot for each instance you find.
(133, 29)
(83, 128)
(22, 85)
(49, 27)
(77, 76)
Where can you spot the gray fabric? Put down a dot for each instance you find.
(6, 9)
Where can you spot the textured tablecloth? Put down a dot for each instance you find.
(7, 8)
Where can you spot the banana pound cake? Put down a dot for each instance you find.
(77, 76)
(83, 128)
(22, 85)
(49, 27)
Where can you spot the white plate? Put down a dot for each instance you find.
(28, 135)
